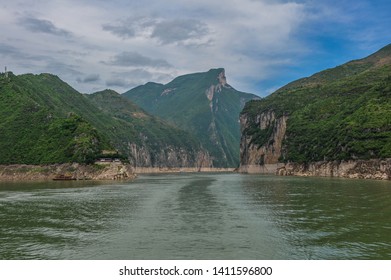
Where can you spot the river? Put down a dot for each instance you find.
(197, 216)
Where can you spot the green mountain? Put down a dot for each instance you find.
(338, 114)
(203, 104)
(44, 120)
(147, 140)
(40, 122)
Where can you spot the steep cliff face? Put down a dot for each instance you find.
(168, 157)
(261, 141)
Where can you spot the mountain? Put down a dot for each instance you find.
(203, 104)
(339, 114)
(36, 127)
(147, 140)
(44, 120)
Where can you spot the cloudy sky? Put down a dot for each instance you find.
(119, 44)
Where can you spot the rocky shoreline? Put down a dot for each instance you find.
(67, 171)
(377, 169)
(100, 171)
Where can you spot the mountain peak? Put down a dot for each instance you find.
(204, 105)
(218, 73)
(222, 79)
(108, 92)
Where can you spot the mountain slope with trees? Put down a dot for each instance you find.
(339, 114)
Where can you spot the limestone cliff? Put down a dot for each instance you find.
(261, 142)
(168, 157)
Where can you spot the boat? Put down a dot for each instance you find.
(62, 177)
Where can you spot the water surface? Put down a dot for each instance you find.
(197, 216)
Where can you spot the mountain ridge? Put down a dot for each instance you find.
(203, 104)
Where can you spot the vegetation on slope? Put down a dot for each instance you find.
(338, 114)
(33, 133)
(44, 120)
(131, 124)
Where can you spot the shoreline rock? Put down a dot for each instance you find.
(75, 171)
(376, 169)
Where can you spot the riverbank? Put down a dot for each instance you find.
(69, 171)
(377, 169)
(101, 171)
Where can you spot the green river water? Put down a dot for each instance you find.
(197, 216)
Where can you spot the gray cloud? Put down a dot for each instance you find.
(89, 78)
(136, 74)
(119, 82)
(165, 31)
(121, 30)
(43, 26)
(171, 31)
(56, 67)
(18, 55)
(137, 60)
(7, 50)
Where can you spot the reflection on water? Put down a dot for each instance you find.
(197, 216)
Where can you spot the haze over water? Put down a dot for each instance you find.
(197, 216)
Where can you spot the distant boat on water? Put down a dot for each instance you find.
(62, 177)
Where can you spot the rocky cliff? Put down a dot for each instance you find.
(167, 157)
(261, 142)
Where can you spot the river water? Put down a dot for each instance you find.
(197, 216)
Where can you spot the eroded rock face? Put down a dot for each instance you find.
(140, 156)
(215, 88)
(258, 156)
(377, 169)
